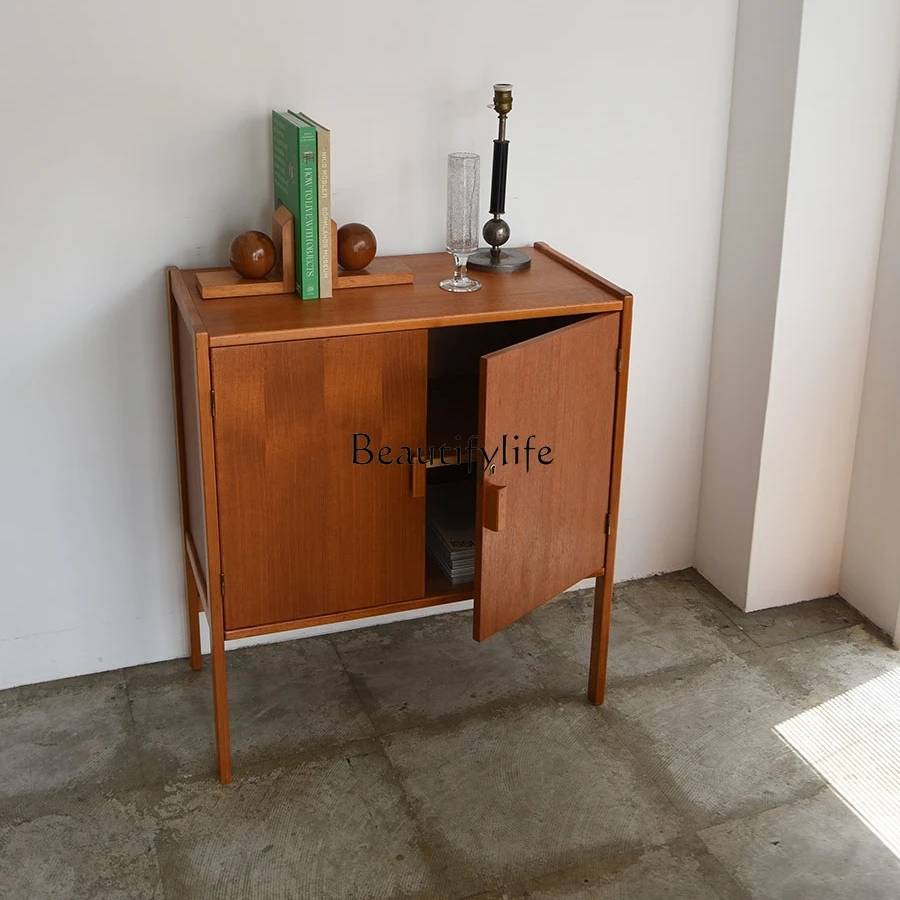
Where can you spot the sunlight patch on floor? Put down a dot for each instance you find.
(853, 742)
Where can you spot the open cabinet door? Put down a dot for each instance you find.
(541, 516)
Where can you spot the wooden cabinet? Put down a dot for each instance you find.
(309, 433)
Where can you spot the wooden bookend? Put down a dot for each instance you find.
(376, 274)
(221, 283)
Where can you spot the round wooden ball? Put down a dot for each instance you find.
(252, 254)
(356, 246)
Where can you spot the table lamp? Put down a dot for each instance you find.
(496, 229)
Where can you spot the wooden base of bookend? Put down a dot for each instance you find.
(378, 273)
(222, 283)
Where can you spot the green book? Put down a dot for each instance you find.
(286, 176)
(323, 173)
(294, 181)
(309, 207)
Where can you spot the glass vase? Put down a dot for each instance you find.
(463, 182)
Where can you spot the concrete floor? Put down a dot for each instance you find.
(408, 761)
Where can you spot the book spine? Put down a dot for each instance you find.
(323, 174)
(325, 248)
(308, 259)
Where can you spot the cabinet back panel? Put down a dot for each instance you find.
(457, 350)
(304, 531)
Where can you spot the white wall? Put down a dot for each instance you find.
(840, 159)
(137, 135)
(803, 216)
(870, 577)
(759, 150)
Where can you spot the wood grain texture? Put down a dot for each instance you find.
(283, 235)
(192, 604)
(305, 532)
(215, 613)
(194, 562)
(192, 459)
(438, 591)
(186, 328)
(559, 387)
(604, 587)
(216, 284)
(547, 288)
(194, 608)
(417, 479)
(184, 299)
(356, 246)
(493, 516)
(612, 289)
(350, 615)
(379, 273)
(281, 524)
(199, 464)
(223, 283)
(220, 700)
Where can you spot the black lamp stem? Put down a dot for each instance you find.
(498, 177)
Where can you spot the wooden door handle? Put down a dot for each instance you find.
(418, 480)
(494, 513)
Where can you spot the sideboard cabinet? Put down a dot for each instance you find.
(309, 433)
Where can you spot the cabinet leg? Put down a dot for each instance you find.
(220, 705)
(192, 596)
(600, 639)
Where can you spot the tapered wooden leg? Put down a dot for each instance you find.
(600, 639)
(220, 705)
(193, 613)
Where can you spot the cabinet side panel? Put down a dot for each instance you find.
(304, 531)
(193, 468)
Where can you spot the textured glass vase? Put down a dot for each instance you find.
(463, 181)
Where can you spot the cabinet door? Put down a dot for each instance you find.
(541, 518)
(304, 531)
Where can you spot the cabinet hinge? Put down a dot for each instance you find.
(212, 403)
(222, 584)
(619, 360)
(608, 523)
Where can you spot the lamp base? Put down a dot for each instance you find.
(508, 261)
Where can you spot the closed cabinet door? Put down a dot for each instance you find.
(546, 413)
(311, 523)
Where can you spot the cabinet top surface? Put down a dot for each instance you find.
(553, 285)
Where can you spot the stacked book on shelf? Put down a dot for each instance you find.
(450, 528)
(301, 165)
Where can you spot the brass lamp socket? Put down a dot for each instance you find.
(503, 99)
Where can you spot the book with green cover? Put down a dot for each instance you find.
(308, 261)
(286, 176)
(294, 180)
(323, 151)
